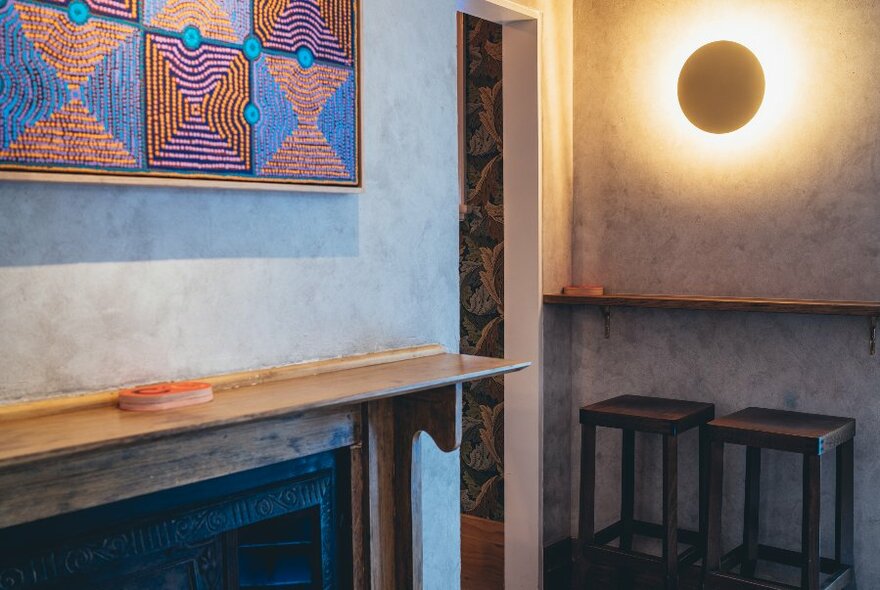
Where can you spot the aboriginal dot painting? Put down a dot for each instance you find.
(259, 90)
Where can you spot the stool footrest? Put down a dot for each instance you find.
(841, 575)
(608, 534)
(841, 579)
(735, 557)
(690, 556)
(611, 556)
(726, 581)
(655, 531)
(732, 558)
(635, 563)
(794, 559)
(644, 529)
(601, 550)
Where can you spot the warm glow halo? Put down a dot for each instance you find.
(764, 36)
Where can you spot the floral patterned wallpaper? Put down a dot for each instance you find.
(482, 272)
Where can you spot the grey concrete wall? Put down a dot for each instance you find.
(557, 423)
(789, 207)
(104, 286)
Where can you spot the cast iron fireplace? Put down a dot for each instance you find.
(283, 527)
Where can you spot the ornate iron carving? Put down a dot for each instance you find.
(184, 529)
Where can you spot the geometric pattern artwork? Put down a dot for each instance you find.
(254, 90)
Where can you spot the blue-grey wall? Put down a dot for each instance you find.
(790, 207)
(102, 286)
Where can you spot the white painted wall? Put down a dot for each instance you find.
(104, 286)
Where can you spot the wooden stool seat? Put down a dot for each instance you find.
(648, 414)
(631, 414)
(783, 430)
(810, 435)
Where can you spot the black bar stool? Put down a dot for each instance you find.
(668, 418)
(812, 436)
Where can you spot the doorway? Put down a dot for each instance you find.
(522, 288)
(481, 274)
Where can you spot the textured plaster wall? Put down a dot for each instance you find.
(786, 207)
(103, 286)
(789, 207)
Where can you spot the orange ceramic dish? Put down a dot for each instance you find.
(165, 396)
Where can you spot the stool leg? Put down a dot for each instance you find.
(627, 488)
(844, 530)
(670, 511)
(704, 486)
(750, 520)
(810, 527)
(586, 521)
(712, 561)
(627, 503)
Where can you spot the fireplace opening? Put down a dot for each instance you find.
(282, 527)
(280, 554)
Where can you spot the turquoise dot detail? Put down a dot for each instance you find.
(305, 57)
(252, 48)
(251, 113)
(192, 38)
(78, 12)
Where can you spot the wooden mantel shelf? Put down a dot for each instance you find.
(869, 309)
(709, 303)
(57, 435)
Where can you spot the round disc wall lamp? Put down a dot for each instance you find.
(721, 87)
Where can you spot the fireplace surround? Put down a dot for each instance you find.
(304, 474)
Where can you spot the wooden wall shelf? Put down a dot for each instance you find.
(706, 303)
(869, 309)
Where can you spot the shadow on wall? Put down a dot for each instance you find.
(44, 224)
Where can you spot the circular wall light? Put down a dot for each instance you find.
(721, 87)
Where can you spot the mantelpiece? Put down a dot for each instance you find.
(82, 454)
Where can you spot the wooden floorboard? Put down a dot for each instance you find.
(482, 554)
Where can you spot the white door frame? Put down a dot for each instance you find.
(523, 327)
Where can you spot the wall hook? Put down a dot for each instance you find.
(873, 335)
(606, 312)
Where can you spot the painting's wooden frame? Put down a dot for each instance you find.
(38, 174)
(159, 181)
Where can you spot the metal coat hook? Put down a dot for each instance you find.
(873, 335)
(606, 312)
